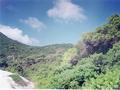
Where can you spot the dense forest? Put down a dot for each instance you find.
(93, 63)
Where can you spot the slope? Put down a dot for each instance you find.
(17, 57)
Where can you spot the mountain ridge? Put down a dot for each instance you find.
(12, 51)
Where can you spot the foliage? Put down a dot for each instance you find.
(93, 63)
(109, 80)
(69, 55)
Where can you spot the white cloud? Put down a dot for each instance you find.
(17, 34)
(65, 10)
(34, 23)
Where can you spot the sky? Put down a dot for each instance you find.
(44, 22)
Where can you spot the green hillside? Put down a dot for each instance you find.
(93, 63)
(18, 57)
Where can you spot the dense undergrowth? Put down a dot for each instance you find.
(93, 63)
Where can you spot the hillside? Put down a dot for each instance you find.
(8, 46)
(91, 64)
(16, 57)
(94, 63)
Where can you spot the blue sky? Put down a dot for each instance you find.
(43, 22)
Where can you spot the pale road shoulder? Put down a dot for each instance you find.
(6, 82)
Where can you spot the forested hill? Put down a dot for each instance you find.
(102, 39)
(9, 46)
(93, 63)
(15, 56)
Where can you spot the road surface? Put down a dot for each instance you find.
(6, 82)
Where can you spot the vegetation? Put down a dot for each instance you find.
(18, 80)
(93, 63)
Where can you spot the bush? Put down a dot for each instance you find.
(69, 55)
(109, 80)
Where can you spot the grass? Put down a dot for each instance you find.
(18, 80)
